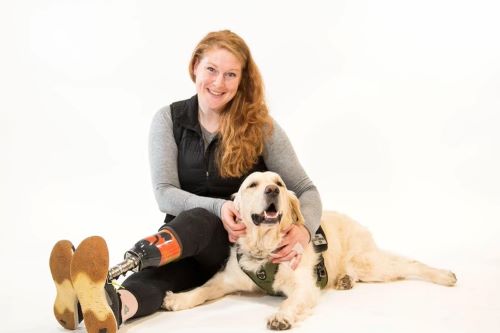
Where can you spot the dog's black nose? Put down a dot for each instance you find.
(271, 190)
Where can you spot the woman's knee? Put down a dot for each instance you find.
(196, 213)
(197, 220)
(196, 229)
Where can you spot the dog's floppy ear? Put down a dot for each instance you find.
(295, 208)
(236, 199)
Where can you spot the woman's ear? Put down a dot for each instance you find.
(295, 209)
(195, 65)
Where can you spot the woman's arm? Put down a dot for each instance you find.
(280, 157)
(163, 162)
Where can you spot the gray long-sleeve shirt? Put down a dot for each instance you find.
(278, 155)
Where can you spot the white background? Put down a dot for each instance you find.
(392, 106)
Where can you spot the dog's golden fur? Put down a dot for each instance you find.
(352, 256)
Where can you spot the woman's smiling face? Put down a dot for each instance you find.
(218, 75)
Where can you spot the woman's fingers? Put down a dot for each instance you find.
(295, 261)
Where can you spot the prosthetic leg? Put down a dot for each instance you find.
(153, 251)
(83, 281)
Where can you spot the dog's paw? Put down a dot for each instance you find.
(175, 302)
(345, 282)
(279, 322)
(447, 278)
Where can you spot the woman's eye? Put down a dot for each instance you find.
(231, 75)
(210, 69)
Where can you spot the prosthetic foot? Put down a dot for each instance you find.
(98, 298)
(66, 308)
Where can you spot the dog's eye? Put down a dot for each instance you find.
(254, 184)
(280, 184)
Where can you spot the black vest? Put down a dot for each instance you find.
(198, 171)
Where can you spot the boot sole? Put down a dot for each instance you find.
(66, 302)
(89, 272)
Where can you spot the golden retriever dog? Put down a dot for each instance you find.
(267, 208)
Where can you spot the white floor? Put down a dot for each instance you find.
(405, 306)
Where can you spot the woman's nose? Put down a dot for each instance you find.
(219, 80)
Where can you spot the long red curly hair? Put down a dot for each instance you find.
(245, 123)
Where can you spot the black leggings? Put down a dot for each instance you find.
(205, 249)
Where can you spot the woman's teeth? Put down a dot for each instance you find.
(215, 93)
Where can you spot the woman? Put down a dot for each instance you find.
(201, 149)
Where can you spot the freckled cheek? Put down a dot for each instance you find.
(203, 84)
(233, 87)
(202, 80)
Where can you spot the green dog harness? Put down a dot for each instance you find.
(264, 277)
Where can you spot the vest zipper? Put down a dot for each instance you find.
(207, 164)
(207, 160)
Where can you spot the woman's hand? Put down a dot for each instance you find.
(292, 245)
(230, 217)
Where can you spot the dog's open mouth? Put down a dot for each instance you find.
(269, 216)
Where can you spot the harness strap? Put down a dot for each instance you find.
(321, 273)
(264, 277)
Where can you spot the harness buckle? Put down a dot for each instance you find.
(321, 271)
(261, 275)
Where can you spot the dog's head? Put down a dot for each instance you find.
(264, 202)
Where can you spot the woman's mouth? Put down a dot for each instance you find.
(215, 93)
